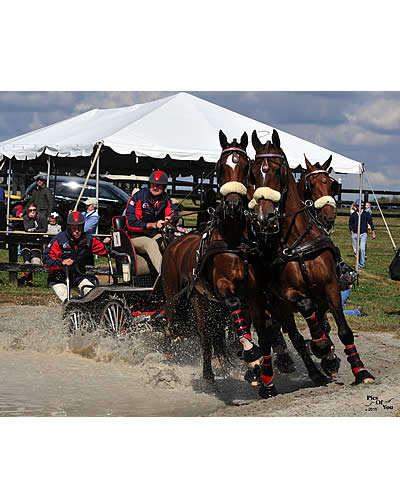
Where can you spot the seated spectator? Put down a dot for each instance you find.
(348, 277)
(18, 210)
(32, 252)
(53, 227)
(91, 216)
(358, 311)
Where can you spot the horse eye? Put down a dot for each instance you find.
(324, 180)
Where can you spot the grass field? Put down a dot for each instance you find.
(376, 292)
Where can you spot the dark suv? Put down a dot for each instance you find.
(112, 200)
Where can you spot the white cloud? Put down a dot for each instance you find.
(380, 113)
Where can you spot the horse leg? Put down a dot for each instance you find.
(266, 331)
(361, 374)
(321, 345)
(251, 351)
(200, 308)
(301, 348)
(283, 362)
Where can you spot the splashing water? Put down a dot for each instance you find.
(45, 372)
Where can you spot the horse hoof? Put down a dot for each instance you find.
(253, 376)
(252, 355)
(267, 392)
(284, 363)
(363, 377)
(320, 379)
(331, 366)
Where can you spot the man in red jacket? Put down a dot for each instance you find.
(72, 247)
(147, 211)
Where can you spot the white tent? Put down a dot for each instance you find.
(181, 126)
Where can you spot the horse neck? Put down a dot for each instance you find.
(295, 225)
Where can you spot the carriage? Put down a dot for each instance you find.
(132, 295)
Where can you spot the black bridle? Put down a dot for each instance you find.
(310, 203)
(237, 151)
(284, 177)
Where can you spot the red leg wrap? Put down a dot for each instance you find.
(241, 326)
(353, 358)
(266, 371)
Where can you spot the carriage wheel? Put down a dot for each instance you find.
(78, 319)
(115, 319)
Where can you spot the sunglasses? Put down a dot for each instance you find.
(32, 210)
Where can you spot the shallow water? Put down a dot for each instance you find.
(43, 372)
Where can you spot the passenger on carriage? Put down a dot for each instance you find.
(69, 247)
(147, 211)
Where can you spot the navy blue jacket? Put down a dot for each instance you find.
(142, 208)
(366, 219)
(63, 247)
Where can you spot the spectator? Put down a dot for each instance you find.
(68, 248)
(3, 222)
(147, 211)
(53, 227)
(368, 208)
(42, 197)
(353, 226)
(31, 252)
(91, 216)
(18, 210)
(358, 311)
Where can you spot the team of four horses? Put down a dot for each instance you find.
(264, 255)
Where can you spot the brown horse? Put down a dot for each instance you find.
(299, 256)
(220, 266)
(318, 189)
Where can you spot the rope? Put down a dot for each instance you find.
(384, 220)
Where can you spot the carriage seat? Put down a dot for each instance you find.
(122, 244)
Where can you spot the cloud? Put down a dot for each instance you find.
(381, 114)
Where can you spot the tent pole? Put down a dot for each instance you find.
(97, 186)
(88, 175)
(359, 218)
(9, 194)
(48, 171)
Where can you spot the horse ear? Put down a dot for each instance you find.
(327, 163)
(308, 164)
(275, 139)
(255, 141)
(244, 141)
(223, 140)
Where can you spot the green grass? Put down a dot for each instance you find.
(376, 292)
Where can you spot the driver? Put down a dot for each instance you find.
(147, 211)
(69, 247)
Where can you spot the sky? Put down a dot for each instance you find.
(361, 125)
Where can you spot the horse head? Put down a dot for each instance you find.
(320, 188)
(269, 174)
(232, 172)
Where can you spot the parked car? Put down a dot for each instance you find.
(112, 200)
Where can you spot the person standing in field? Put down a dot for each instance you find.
(353, 226)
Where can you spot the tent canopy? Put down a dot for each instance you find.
(182, 126)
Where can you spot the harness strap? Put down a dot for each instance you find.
(308, 248)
